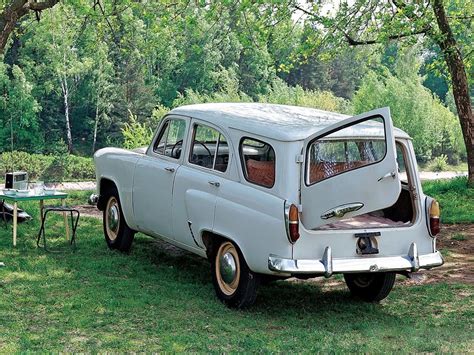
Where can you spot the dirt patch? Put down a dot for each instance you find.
(456, 243)
(89, 211)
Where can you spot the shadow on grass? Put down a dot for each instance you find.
(278, 298)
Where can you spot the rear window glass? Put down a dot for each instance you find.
(258, 162)
(335, 154)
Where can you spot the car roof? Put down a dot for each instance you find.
(279, 122)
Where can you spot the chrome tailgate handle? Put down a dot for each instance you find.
(342, 210)
(391, 174)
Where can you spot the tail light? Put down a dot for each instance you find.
(293, 223)
(433, 214)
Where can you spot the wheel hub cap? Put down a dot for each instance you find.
(113, 218)
(228, 267)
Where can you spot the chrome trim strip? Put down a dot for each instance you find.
(328, 266)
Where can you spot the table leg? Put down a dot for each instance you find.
(15, 217)
(65, 220)
(41, 210)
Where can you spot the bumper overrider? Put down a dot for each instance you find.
(328, 266)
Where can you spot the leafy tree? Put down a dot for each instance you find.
(18, 110)
(445, 23)
(432, 126)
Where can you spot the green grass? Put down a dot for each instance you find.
(459, 237)
(455, 198)
(100, 300)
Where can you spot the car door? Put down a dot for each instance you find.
(198, 181)
(154, 177)
(349, 169)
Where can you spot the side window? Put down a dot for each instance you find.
(402, 170)
(170, 141)
(209, 149)
(258, 162)
(338, 153)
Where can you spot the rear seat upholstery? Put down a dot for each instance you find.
(324, 170)
(261, 172)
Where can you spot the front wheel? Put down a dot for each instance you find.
(370, 287)
(235, 284)
(118, 234)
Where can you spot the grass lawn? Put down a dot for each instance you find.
(455, 199)
(100, 300)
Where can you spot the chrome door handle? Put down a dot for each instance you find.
(214, 183)
(342, 210)
(171, 170)
(391, 174)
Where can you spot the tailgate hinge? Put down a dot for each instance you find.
(299, 158)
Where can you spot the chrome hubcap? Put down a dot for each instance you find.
(113, 218)
(228, 268)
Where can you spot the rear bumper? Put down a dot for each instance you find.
(327, 265)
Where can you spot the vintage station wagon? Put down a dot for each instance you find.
(271, 192)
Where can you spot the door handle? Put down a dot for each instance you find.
(215, 183)
(342, 210)
(387, 175)
(170, 169)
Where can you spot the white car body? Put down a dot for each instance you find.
(187, 204)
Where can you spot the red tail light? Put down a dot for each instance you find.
(293, 224)
(434, 214)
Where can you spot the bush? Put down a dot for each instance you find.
(136, 134)
(439, 163)
(57, 167)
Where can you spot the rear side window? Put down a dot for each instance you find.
(258, 162)
(209, 149)
(338, 153)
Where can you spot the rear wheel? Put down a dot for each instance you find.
(118, 234)
(235, 284)
(370, 287)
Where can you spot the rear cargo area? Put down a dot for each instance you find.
(400, 214)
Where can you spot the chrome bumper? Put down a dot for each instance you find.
(328, 266)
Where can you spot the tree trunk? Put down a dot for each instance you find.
(459, 81)
(96, 124)
(65, 89)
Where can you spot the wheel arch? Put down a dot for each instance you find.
(105, 184)
(211, 240)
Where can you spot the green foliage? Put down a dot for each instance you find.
(434, 129)
(18, 111)
(136, 134)
(59, 167)
(281, 93)
(455, 198)
(439, 163)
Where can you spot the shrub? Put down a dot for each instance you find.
(58, 167)
(136, 134)
(439, 163)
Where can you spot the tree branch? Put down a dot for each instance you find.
(355, 42)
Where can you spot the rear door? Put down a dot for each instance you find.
(349, 169)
